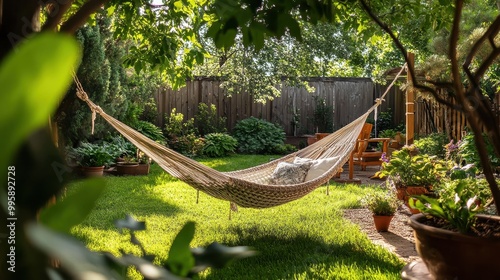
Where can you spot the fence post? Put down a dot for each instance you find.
(410, 103)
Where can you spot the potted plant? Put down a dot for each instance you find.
(127, 166)
(92, 158)
(411, 173)
(383, 206)
(459, 79)
(144, 164)
(453, 239)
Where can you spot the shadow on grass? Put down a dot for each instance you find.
(129, 195)
(287, 257)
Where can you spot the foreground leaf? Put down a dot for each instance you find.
(73, 256)
(180, 260)
(33, 82)
(71, 211)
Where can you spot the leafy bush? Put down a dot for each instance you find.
(151, 131)
(475, 187)
(381, 204)
(123, 146)
(285, 149)
(433, 144)
(406, 168)
(468, 152)
(388, 133)
(175, 125)
(384, 122)
(188, 145)
(181, 135)
(257, 136)
(88, 154)
(219, 145)
(323, 116)
(458, 207)
(208, 121)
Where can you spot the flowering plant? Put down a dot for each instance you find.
(407, 168)
(452, 152)
(381, 204)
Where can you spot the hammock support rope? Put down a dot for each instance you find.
(248, 187)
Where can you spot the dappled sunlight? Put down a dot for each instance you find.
(306, 238)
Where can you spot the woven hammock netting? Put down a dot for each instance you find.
(247, 187)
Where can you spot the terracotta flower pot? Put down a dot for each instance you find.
(311, 140)
(404, 194)
(126, 168)
(142, 169)
(382, 223)
(321, 135)
(92, 171)
(451, 255)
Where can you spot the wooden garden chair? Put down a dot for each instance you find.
(360, 155)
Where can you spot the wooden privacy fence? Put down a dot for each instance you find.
(431, 116)
(349, 98)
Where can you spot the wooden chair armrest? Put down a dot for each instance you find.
(378, 139)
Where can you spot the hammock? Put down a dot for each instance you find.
(247, 187)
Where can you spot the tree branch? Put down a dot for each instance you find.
(483, 156)
(81, 16)
(484, 112)
(403, 51)
(455, 70)
(53, 20)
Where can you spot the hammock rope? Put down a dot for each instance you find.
(248, 187)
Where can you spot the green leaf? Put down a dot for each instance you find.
(180, 260)
(77, 260)
(33, 80)
(71, 211)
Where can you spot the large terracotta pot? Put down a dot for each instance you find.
(451, 255)
(382, 223)
(126, 168)
(92, 171)
(142, 169)
(132, 169)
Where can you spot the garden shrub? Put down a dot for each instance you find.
(175, 125)
(123, 146)
(285, 149)
(208, 121)
(151, 131)
(468, 152)
(474, 187)
(181, 135)
(433, 144)
(257, 136)
(385, 122)
(323, 116)
(219, 145)
(388, 133)
(188, 145)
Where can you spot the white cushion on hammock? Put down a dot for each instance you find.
(290, 173)
(318, 166)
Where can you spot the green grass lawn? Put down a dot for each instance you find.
(305, 239)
